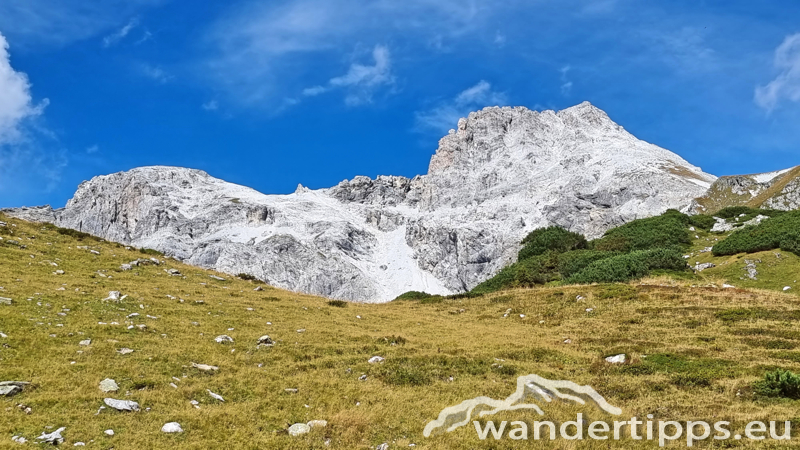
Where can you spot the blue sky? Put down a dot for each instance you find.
(270, 94)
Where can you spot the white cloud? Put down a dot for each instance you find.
(16, 103)
(211, 105)
(361, 80)
(499, 39)
(787, 84)
(445, 115)
(566, 84)
(24, 163)
(313, 91)
(261, 50)
(120, 34)
(92, 149)
(48, 22)
(156, 73)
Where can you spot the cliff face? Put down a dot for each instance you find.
(502, 173)
(772, 190)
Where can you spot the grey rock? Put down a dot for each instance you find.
(215, 396)
(9, 389)
(502, 173)
(384, 446)
(616, 359)
(125, 351)
(172, 427)
(214, 277)
(317, 423)
(703, 266)
(223, 339)
(751, 268)
(5, 301)
(376, 359)
(298, 429)
(85, 342)
(125, 267)
(121, 405)
(265, 340)
(109, 385)
(54, 438)
(205, 367)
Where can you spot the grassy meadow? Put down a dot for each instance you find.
(695, 349)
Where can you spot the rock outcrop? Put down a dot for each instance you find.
(772, 190)
(502, 173)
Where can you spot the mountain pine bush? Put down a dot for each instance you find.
(554, 238)
(780, 231)
(570, 263)
(667, 230)
(779, 383)
(626, 267)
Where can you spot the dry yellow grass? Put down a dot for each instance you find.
(698, 335)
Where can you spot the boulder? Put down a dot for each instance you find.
(616, 359)
(172, 427)
(299, 429)
(109, 385)
(223, 339)
(54, 438)
(121, 405)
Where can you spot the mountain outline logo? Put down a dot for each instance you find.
(528, 386)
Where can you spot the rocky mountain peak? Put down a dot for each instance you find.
(500, 174)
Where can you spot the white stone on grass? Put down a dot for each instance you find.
(121, 405)
(215, 396)
(376, 359)
(109, 385)
(172, 427)
(298, 429)
(223, 339)
(616, 359)
(54, 438)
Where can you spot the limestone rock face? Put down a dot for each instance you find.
(772, 190)
(502, 173)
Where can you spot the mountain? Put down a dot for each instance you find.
(772, 190)
(502, 173)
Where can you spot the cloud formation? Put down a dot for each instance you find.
(786, 86)
(24, 162)
(261, 50)
(120, 34)
(16, 103)
(361, 80)
(445, 115)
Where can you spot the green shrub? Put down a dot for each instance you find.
(570, 263)
(413, 295)
(79, 235)
(779, 383)
(702, 221)
(247, 277)
(667, 230)
(554, 238)
(539, 269)
(629, 266)
(150, 251)
(337, 303)
(780, 231)
(735, 211)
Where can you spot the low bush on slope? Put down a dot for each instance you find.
(781, 231)
(630, 251)
(667, 230)
(629, 266)
(554, 238)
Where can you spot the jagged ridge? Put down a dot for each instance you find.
(502, 173)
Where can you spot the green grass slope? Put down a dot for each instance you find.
(695, 353)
